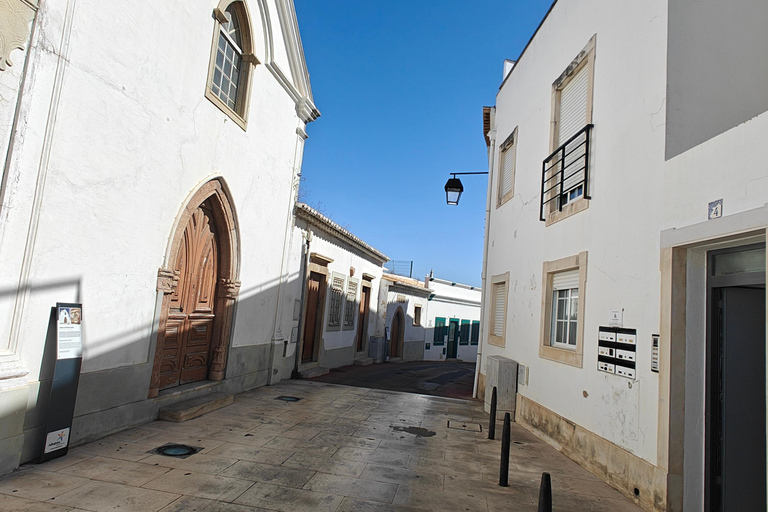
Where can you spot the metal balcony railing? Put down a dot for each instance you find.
(565, 173)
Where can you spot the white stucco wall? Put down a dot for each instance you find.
(120, 139)
(451, 301)
(636, 194)
(620, 229)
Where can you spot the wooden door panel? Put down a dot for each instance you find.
(189, 328)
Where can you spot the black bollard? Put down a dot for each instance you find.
(504, 469)
(492, 425)
(545, 493)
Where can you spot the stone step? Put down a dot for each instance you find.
(314, 372)
(188, 409)
(363, 361)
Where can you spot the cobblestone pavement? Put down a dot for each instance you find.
(339, 449)
(452, 380)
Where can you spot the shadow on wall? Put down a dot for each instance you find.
(115, 398)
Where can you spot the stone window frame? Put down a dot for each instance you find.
(249, 61)
(498, 341)
(569, 356)
(417, 310)
(509, 145)
(585, 58)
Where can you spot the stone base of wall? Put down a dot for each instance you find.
(636, 478)
(481, 387)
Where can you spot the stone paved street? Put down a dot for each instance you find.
(338, 449)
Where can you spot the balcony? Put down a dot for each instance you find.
(565, 174)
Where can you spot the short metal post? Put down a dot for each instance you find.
(545, 493)
(504, 469)
(492, 424)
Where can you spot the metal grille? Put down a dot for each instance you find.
(565, 173)
(229, 56)
(400, 268)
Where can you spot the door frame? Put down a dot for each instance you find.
(682, 326)
(319, 265)
(216, 192)
(362, 317)
(714, 285)
(400, 335)
(456, 336)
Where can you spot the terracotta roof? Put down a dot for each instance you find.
(319, 220)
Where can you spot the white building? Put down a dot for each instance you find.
(150, 171)
(402, 313)
(630, 287)
(340, 276)
(453, 321)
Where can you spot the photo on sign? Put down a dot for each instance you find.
(74, 315)
(65, 317)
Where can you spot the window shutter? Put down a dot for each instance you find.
(573, 106)
(498, 310)
(565, 280)
(508, 169)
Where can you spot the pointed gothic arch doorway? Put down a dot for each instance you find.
(200, 286)
(397, 334)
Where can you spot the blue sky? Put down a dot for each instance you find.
(401, 86)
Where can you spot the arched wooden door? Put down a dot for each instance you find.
(186, 349)
(396, 341)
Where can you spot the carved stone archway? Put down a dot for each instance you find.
(217, 198)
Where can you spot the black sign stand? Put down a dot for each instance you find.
(66, 376)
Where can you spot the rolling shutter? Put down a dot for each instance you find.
(508, 169)
(573, 106)
(499, 303)
(565, 280)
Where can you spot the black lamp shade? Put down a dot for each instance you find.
(453, 190)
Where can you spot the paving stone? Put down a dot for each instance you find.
(18, 504)
(353, 487)
(106, 496)
(201, 485)
(116, 471)
(285, 499)
(38, 485)
(325, 465)
(192, 504)
(277, 475)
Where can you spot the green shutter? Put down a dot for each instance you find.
(475, 331)
(439, 331)
(464, 338)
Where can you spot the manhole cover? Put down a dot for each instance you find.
(461, 425)
(179, 451)
(288, 398)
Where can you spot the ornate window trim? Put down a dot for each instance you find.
(248, 61)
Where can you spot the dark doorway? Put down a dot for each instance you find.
(314, 317)
(396, 334)
(453, 339)
(362, 318)
(736, 396)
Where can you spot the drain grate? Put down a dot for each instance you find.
(288, 398)
(461, 425)
(179, 451)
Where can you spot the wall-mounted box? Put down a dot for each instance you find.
(617, 351)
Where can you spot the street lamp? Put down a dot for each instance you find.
(454, 188)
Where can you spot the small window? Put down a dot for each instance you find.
(335, 299)
(562, 322)
(565, 309)
(440, 332)
(498, 309)
(350, 306)
(507, 157)
(416, 315)
(464, 332)
(231, 61)
(475, 338)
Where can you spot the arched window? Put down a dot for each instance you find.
(232, 60)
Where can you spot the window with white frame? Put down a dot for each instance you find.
(498, 309)
(335, 299)
(232, 60)
(565, 309)
(562, 315)
(350, 304)
(507, 158)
